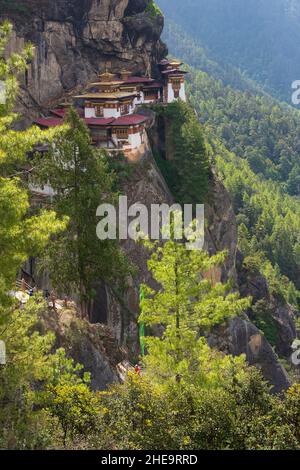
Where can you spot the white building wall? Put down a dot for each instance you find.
(111, 113)
(171, 96)
(47, 190)
(135, 140)
(141, 100)
(107, 113)
(89, 113)
(182, 93)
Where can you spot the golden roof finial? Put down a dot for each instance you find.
(125, 73)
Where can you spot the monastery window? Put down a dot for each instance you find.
(122, 133)
(150, 93)
(99, 111)
(124, 109)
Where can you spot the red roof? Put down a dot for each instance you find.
(98, 121)
(130, 120)
(49, 122)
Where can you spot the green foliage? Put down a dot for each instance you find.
(237, 412)
(256, 128)
(14, 6)
(21, 236)
(187, 171)
(265, 322)
(75, 407)
(31, 367)
(20, 9)
(120, 169)
(79, 175)
(167, 170)
(187, 305)
(30, 370)
(269, 222)
(241, 122)
(153, 9)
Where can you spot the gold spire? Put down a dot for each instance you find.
(125, 74)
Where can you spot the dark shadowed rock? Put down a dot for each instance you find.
(242, 337)
(282, 315)
(221, 229)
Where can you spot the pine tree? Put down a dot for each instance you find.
(21, 236)
(79, 175)
(187, 305)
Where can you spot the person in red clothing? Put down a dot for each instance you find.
(138, 369)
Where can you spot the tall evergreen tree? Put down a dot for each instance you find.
(187, 305)
(21, 236)
(190, 157)
(79, 175)
(187, 171)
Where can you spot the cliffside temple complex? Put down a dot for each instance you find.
(110, 106)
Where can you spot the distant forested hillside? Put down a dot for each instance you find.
(256, 128)
(255, 145)
(260, 37)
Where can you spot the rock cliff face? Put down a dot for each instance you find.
(94, 346)
(281, 316)
(76, 39)
(240, 336)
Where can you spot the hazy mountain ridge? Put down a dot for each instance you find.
(260, 39)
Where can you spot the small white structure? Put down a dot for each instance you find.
(2, 353)
(46, 190)
(174, 81)
(22, 297)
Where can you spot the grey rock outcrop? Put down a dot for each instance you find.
(221, 229)
(93, 346)
(282, 315)
(240, 336)
(77, 39)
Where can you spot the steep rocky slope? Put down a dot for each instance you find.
(239, 336)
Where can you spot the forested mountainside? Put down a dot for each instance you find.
(263, 133)
(259, 37)
(197, 321)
